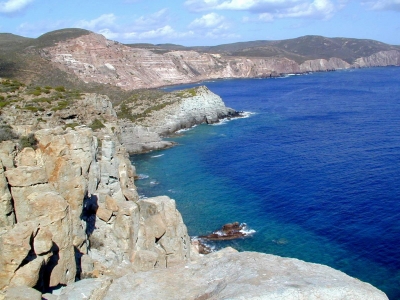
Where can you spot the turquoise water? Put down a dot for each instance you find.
(314, 170)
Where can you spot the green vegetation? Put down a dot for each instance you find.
(28, 141)
(96, 125)
(71, 125)
(186, 93)
(7, 133)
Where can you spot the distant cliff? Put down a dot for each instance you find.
(93, 58)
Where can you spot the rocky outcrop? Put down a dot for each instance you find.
(229, 231)
(228, 274)
(183, 110)
(93, 58)
(71, 210)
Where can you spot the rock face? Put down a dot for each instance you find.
(202, 106)
(70, 209)
(228, 274)
(93, 58)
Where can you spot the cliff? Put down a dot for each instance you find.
(70, 210)
(92, 58)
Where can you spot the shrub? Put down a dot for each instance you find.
(28, 141)
(60, 89)
(71, 125)
(96, 124)
(7, 133)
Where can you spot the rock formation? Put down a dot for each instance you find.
(71, 210)
(229, 231)
(199, 106)
(228, 274)
(93, 58)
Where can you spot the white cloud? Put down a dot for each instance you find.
(208, 21)
(41, 27)
(383, 5)
(266, 17)
(13, 6)
(155, 20)
(99, 23)
(270, 9)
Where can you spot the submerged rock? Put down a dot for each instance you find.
(229, 231)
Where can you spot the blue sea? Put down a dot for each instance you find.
(314, 170)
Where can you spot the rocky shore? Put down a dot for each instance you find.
(73, 227)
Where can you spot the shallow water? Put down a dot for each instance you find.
(314, 170)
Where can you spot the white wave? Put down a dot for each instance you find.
(142, 176)
(246, 230)
(247, 114)
(185, 129)
(242, 115)
(157, 155)
(154, 182)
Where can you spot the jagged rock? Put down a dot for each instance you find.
(228, 274)
(104, 214)
(111, 204)
(28, 275)
(162, 231)
(7, 216)
(14, 248)
(22, 293)
(43, 241)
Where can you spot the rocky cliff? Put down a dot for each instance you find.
(92, 58)
(71, 210)
(175, 111)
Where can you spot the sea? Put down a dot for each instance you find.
(313, 169)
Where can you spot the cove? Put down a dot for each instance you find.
(314, 170)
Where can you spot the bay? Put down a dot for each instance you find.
(314, 170)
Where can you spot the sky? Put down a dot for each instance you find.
(205, 22)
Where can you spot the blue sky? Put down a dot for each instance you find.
(206, 22)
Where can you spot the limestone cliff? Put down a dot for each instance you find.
(93, 58)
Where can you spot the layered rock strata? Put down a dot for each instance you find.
(93, 58)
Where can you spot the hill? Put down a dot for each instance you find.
(82, 60)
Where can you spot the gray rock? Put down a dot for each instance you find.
(228, 274)
(22, 293)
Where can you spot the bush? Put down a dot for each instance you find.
(96, 124)
(28, 141)
(7, 133)
(60, 89)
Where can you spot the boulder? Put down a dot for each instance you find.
(22, 293)
(229, 231)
